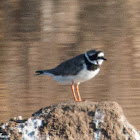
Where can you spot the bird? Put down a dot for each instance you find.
(76, 70)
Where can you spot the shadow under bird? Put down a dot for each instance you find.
(76, 70)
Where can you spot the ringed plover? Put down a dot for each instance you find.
(76, 70)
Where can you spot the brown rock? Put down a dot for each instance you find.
(76, 121)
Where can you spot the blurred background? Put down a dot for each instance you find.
(39, 34)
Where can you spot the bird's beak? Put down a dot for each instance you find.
(102, 58)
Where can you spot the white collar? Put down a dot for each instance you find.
(90, 61)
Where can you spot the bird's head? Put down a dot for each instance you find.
(95, 57)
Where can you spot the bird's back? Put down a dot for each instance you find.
(69, 67)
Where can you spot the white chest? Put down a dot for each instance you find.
(85, 75)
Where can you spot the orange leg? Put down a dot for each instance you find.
(78, 94)
(72, 87)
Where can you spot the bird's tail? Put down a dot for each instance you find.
(41, 72)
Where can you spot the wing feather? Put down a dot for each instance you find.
(69, 67)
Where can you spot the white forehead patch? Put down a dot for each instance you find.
(100, 54)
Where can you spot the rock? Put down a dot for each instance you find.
(73, 121)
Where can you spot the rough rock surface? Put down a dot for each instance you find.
(73, 121)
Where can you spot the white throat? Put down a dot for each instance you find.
(90, 61)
